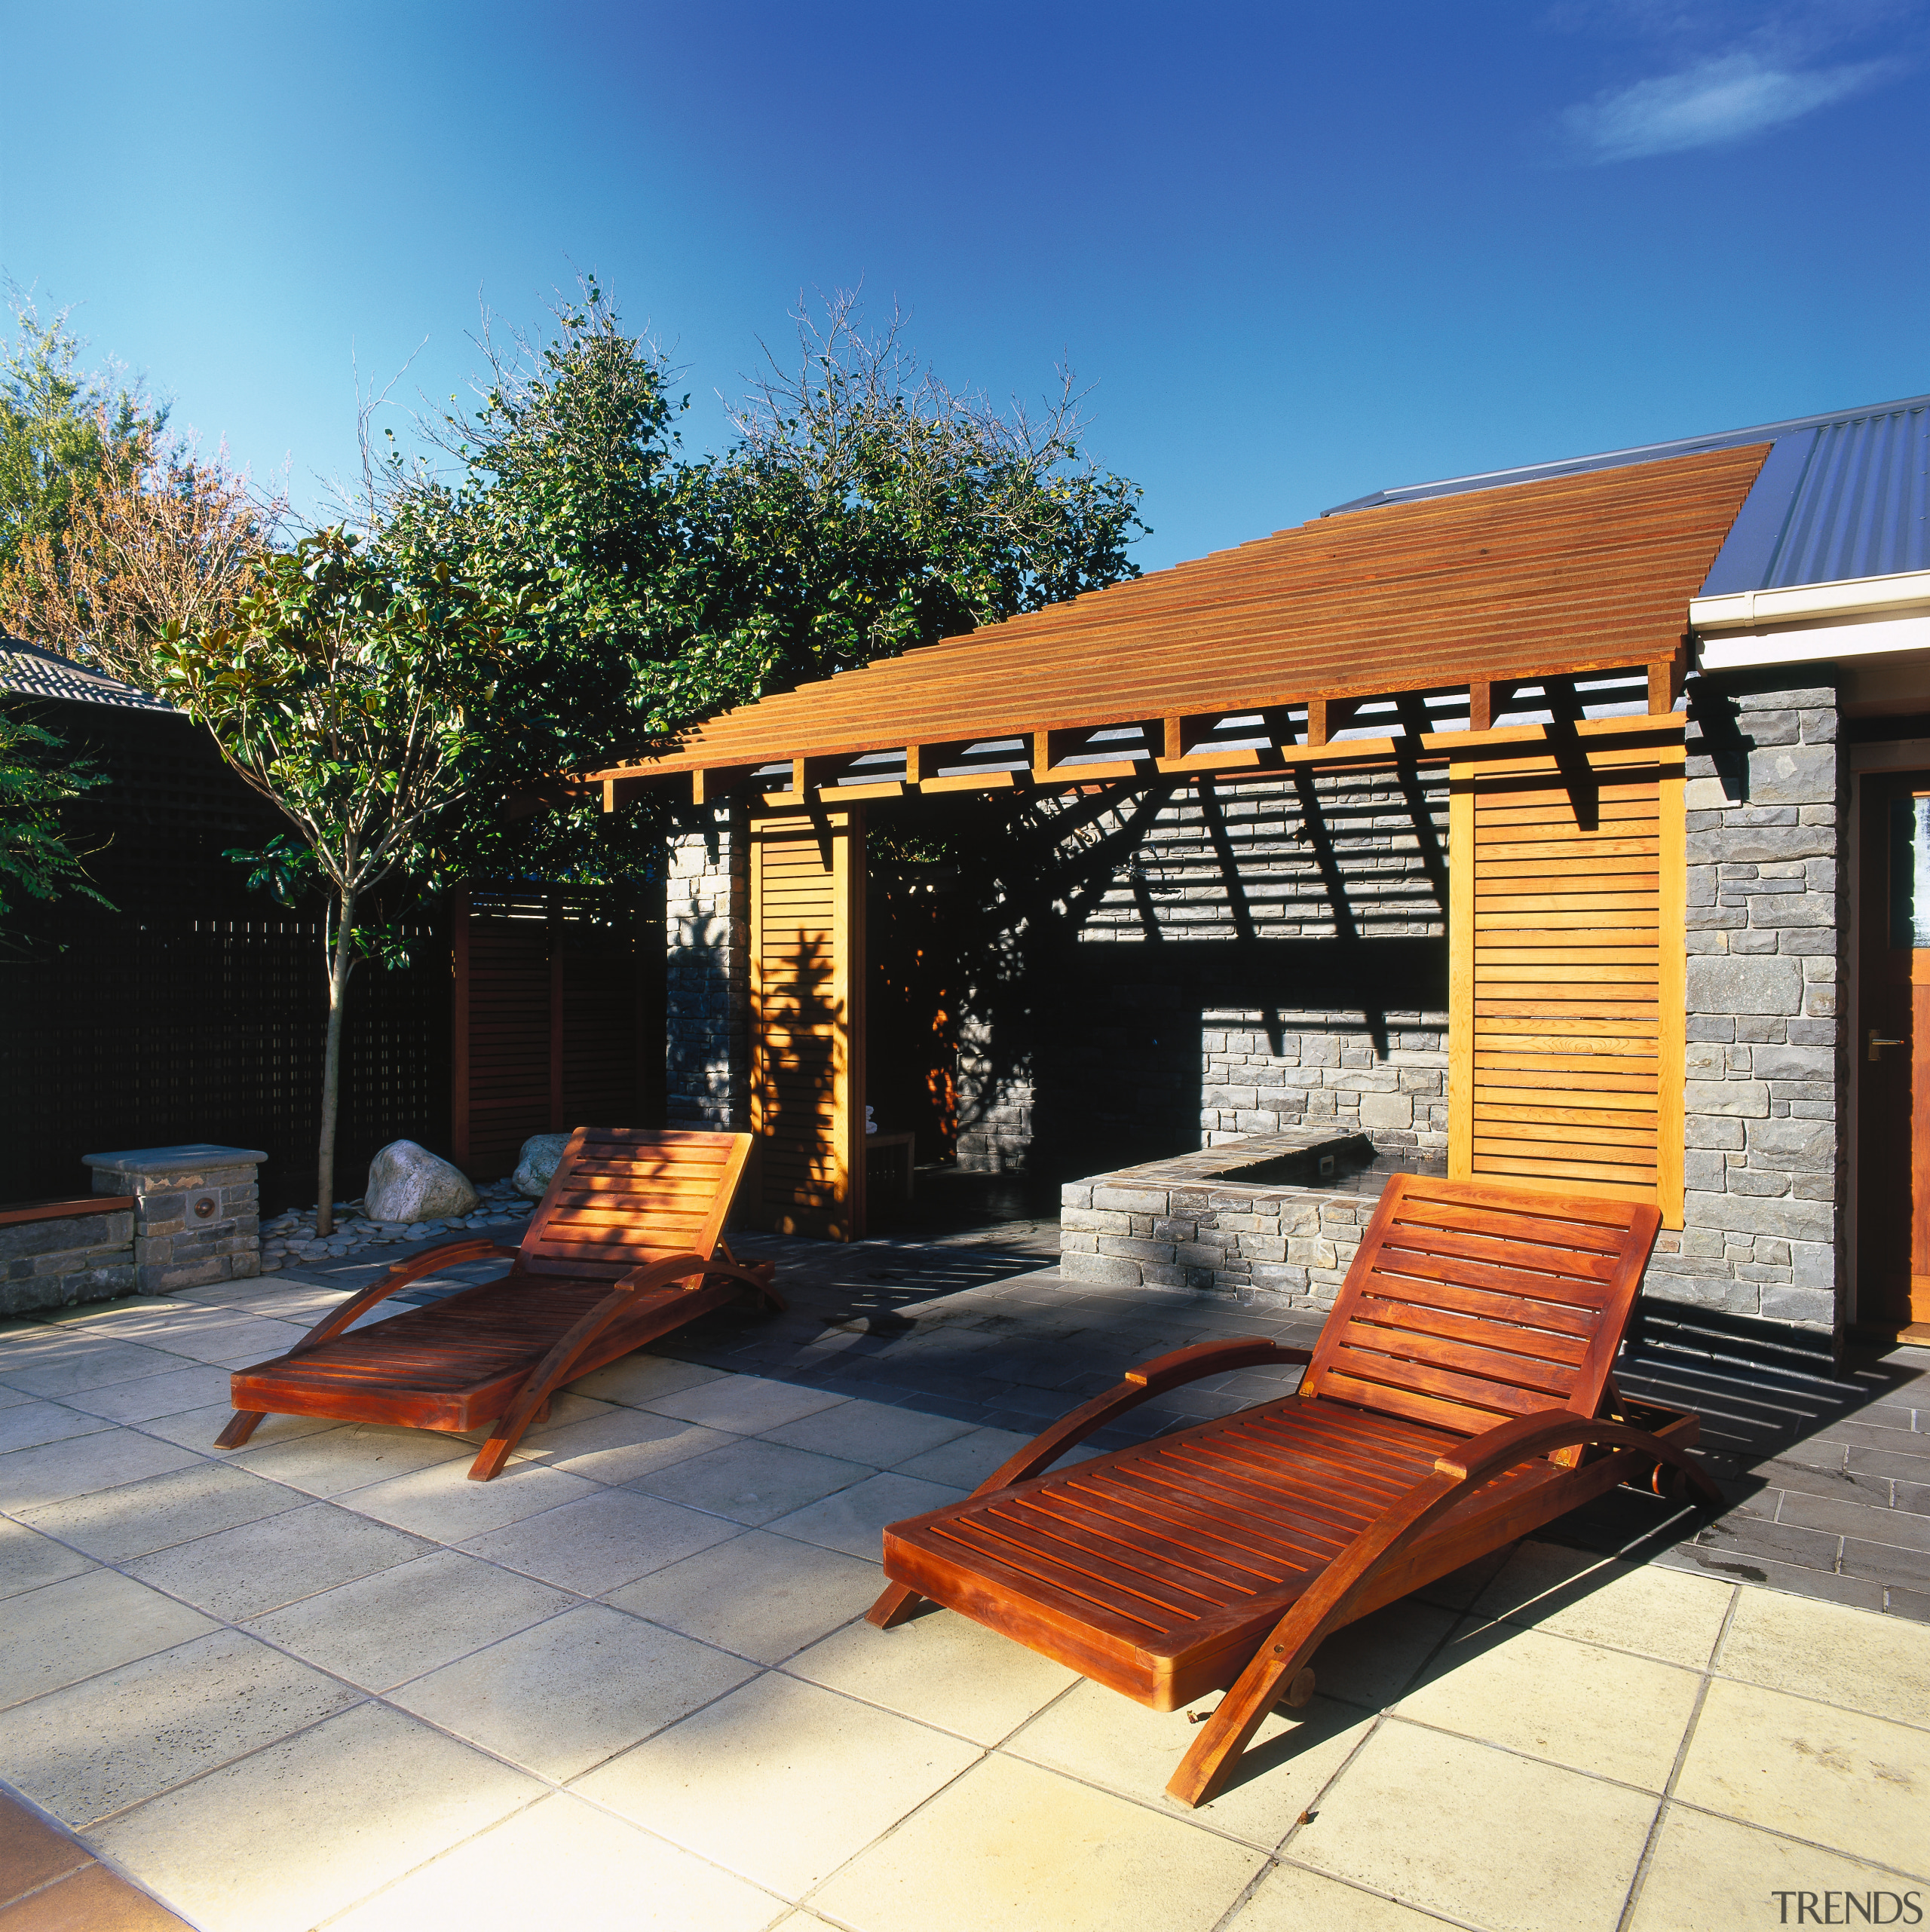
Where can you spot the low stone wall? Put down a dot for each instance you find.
(1185, 1224)
(58, 1260)
(196, 1212)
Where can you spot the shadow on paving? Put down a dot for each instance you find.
(1827, 1474)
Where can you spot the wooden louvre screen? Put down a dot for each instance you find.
(807, 1022)
(1567, 909)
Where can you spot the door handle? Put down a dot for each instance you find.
(1879, 1041)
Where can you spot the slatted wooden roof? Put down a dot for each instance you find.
(1398, 614)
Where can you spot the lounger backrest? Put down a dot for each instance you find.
(1470, 1305)
(624, 1197)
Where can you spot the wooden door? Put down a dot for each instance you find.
(807, 1021)
(1567, 888)
(1893, 1053)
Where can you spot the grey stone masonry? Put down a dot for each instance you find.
(707, 935)
(1765, 1076)
(196, 1212)
(1189, 1224)
(56, 1260)
(1326, 1070)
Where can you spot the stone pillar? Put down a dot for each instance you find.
(196, 1212)
(706, 921)
(1765, 1101)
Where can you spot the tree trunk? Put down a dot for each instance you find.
(340, 960)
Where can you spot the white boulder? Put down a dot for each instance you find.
(537, 1162)
(407, 1183)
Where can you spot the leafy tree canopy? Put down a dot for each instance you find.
(37, 775)
(64, 429)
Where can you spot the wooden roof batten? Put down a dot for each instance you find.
(1386, 635)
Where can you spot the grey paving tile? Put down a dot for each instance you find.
(1912, 1603)
(1779, 1473)
(1731, 1567)
(197, 1428)
(135, 1518)
(82, 1625)
(600, 1541)
(29, 1477)
(1885, 1563)
(752, 1482)
(1746, 1538)
(29, 1422)
(238, 1573)
(84, 1365)
(1887, 1462)
(1872, 1525)
(621, 1444)
(28, 1560)
(853, 1520)
(872, 1432)
(167, 1394)
(383, 1629)
(253, 1340)
(118, 1738)
(746, 1405)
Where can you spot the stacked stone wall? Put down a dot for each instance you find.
(1766, 1075)
(706, 982)
(66, 1259)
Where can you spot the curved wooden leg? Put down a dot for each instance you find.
(894, 1607)
(241, 1425)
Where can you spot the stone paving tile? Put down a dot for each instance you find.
(1834, 1778)
(165, 1393)
(1436, 1823)
(752, 1481)
(133, 1519)
(242, 1573)
(29, 1422)
(55, 1471)
(282, 1839)
(333, 1460)
(1627, 1606)
(563, 1862)
(758, 1595)
(872, 1432)
(67, 1630)
(1839, 1655)
(440, 1502)
(1291, 1899)
(97, 1747)
(743, 1404)
(820, 1775)
(573, 1691)
(1010, 1846)
(600, 1541)
(65, 1370)
(382, 1629)
(851, 1519)
(197, 1428)
(28, 1560)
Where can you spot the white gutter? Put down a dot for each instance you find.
(1854, 597)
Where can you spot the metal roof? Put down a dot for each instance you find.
(1843, 498)
(31, 670)
(1257, 645)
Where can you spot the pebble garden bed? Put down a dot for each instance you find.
(291, 1238)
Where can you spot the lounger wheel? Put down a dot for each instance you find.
(1299, 1693)
(1671, 1484)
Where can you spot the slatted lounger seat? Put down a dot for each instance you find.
(1459, 1396)
(625, 1246)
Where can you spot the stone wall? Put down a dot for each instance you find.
(707, 937)
(65, 1259)
(197, 1216)
(1765, 1099)
(1258, 956)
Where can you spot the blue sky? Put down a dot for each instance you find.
(1300, 252)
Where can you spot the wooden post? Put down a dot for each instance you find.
(459, 1027)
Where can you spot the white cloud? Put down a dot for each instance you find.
(1709, 105)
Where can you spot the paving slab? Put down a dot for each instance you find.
(154, 1512)
(594, 1542)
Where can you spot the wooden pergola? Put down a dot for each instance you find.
(1531, 637)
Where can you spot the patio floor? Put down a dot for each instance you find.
(328, 1681)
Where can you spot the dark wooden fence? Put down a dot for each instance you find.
(195, 1009)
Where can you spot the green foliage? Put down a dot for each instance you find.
(351, 689)
(866, 509)
(36, 777)
(63, 430)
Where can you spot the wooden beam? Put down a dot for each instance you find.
(1316, 722)
(1481, 704)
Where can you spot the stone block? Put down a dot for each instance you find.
(1130, 1248)
(1815, 1308)
(1108, 1269)
(1793, 775)
(1779, 910)
(1741, 1099)
(1076, 1241)
(1793, 1063)
(1386, 1109)
(1790, 1144)
(1131, 1200)
(1787, 1219)
(1731, 985)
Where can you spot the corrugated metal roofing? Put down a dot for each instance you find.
(31, 670)
(1845, 498)
(1574, 573)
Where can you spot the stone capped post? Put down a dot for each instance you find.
(196, 1212)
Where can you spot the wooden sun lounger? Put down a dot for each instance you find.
(1458, 1397)
(625, 1246)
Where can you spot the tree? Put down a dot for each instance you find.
(36, 776)
(868, 506)
(62, 431)
(351, 688)
(160, 538)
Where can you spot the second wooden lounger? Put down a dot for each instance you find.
(627, 1245)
